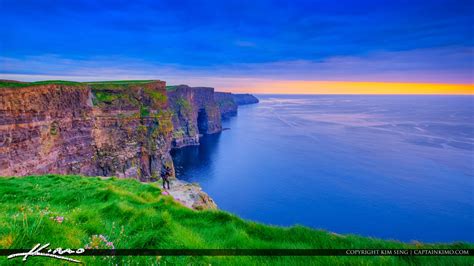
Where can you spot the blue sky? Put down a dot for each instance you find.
(219, 43)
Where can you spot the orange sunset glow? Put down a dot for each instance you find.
(345, 87)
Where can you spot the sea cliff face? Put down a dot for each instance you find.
(103, 129)
(46, 129)
(242, 99)
(226, 103)
(196, 112)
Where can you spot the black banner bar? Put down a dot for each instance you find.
(260, 252)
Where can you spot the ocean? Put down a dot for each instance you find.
(392, 167)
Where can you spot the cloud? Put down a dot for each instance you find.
(216, 32)
(437, 65)
(53, 67)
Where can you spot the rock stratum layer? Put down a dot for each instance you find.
(106, 131)
(102, 129)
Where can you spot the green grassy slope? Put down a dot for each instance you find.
(135, 215)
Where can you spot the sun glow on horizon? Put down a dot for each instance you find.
(347, 87)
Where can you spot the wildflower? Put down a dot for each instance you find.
(110, 244)
(99, 242)
(59, 219)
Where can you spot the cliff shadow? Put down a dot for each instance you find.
(193, 162)
(202, 121)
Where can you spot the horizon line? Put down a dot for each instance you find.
(354, 87)
(407, 94)
(315, 87)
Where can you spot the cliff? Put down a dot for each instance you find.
(99, 129)
(242, 99)
(117, 128)
(226, 103)
(196, 112)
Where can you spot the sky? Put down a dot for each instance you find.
(253, 46)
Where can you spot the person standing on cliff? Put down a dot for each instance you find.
(166, 176)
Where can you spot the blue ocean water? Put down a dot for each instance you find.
(394, 167)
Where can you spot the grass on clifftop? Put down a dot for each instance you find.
(119, 84)
(67, 211)
(19, 84)
(93, 84)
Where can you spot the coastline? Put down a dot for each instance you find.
(312, 181)
(148, 209)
